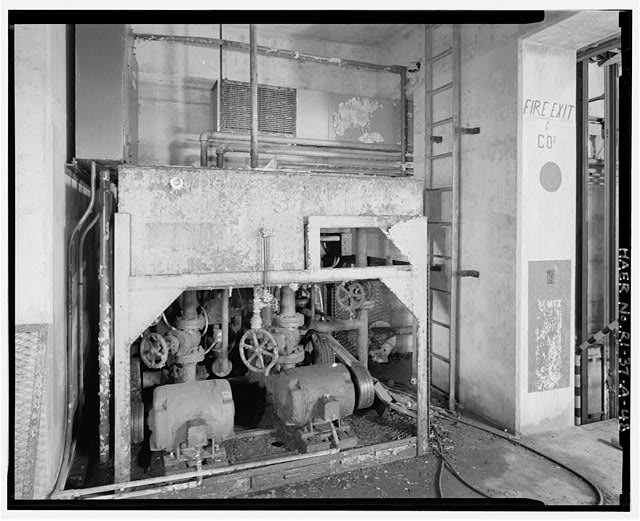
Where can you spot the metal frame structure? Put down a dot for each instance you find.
(609, 399)
(139, 299)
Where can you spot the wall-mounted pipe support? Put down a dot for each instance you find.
(253, 85)
(105, 324)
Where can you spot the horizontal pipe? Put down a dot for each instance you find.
(299, 151)
(331, 326)
(159, 480)
(285, 140)
(269, 51)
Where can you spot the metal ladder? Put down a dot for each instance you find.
(442, 191)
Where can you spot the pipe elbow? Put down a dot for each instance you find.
(206, 136)
(223, 148)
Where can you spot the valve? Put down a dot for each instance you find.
(351, 295)
(258, 350)
(154, 351)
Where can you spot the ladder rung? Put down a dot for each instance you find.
(443, 54)
(440, 357)
(440, 189)
(438, 256)
(441, 156)
(440, 89)
(445, 291)
(442, 324)
(439, 221)
(441, 122)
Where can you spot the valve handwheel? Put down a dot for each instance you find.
(351, 295)
(258, 350)
(154, 351)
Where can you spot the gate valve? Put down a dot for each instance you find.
(258, 350)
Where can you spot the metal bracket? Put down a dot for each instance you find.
(436, 139)
(468, 130)
(468, 273)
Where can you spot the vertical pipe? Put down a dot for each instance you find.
(455, 216)
(104, 327)
(190, 304)
(221, 366)
(253, 84)
(582, 235)
(81, 304)
(361, 247)
(287, 301)
(71, 341)
(363, 336)
(204, 153)
(403, 119)
(610, 355)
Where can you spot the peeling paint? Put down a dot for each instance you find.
(214, 225)
(355, 114)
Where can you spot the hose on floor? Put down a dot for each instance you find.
(443, 461)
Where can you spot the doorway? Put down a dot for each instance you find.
(598, 69)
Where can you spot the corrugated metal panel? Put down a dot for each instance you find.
(276, 108)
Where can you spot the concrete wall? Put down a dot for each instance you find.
(487, 332)
(46, 201)
(546, 232)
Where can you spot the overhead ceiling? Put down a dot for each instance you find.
(360, 34)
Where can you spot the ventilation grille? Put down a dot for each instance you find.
(276, 108)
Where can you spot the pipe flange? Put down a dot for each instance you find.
(291, 359)
(190, 324)
(290, 321)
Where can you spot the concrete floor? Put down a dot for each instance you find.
(493, 465)
(587, 449)
(499, 468)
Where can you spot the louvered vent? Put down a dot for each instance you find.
(276, 108)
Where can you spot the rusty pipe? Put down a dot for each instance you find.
(105, 324)
(70, 388)
(190, 304)
(253, 85)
